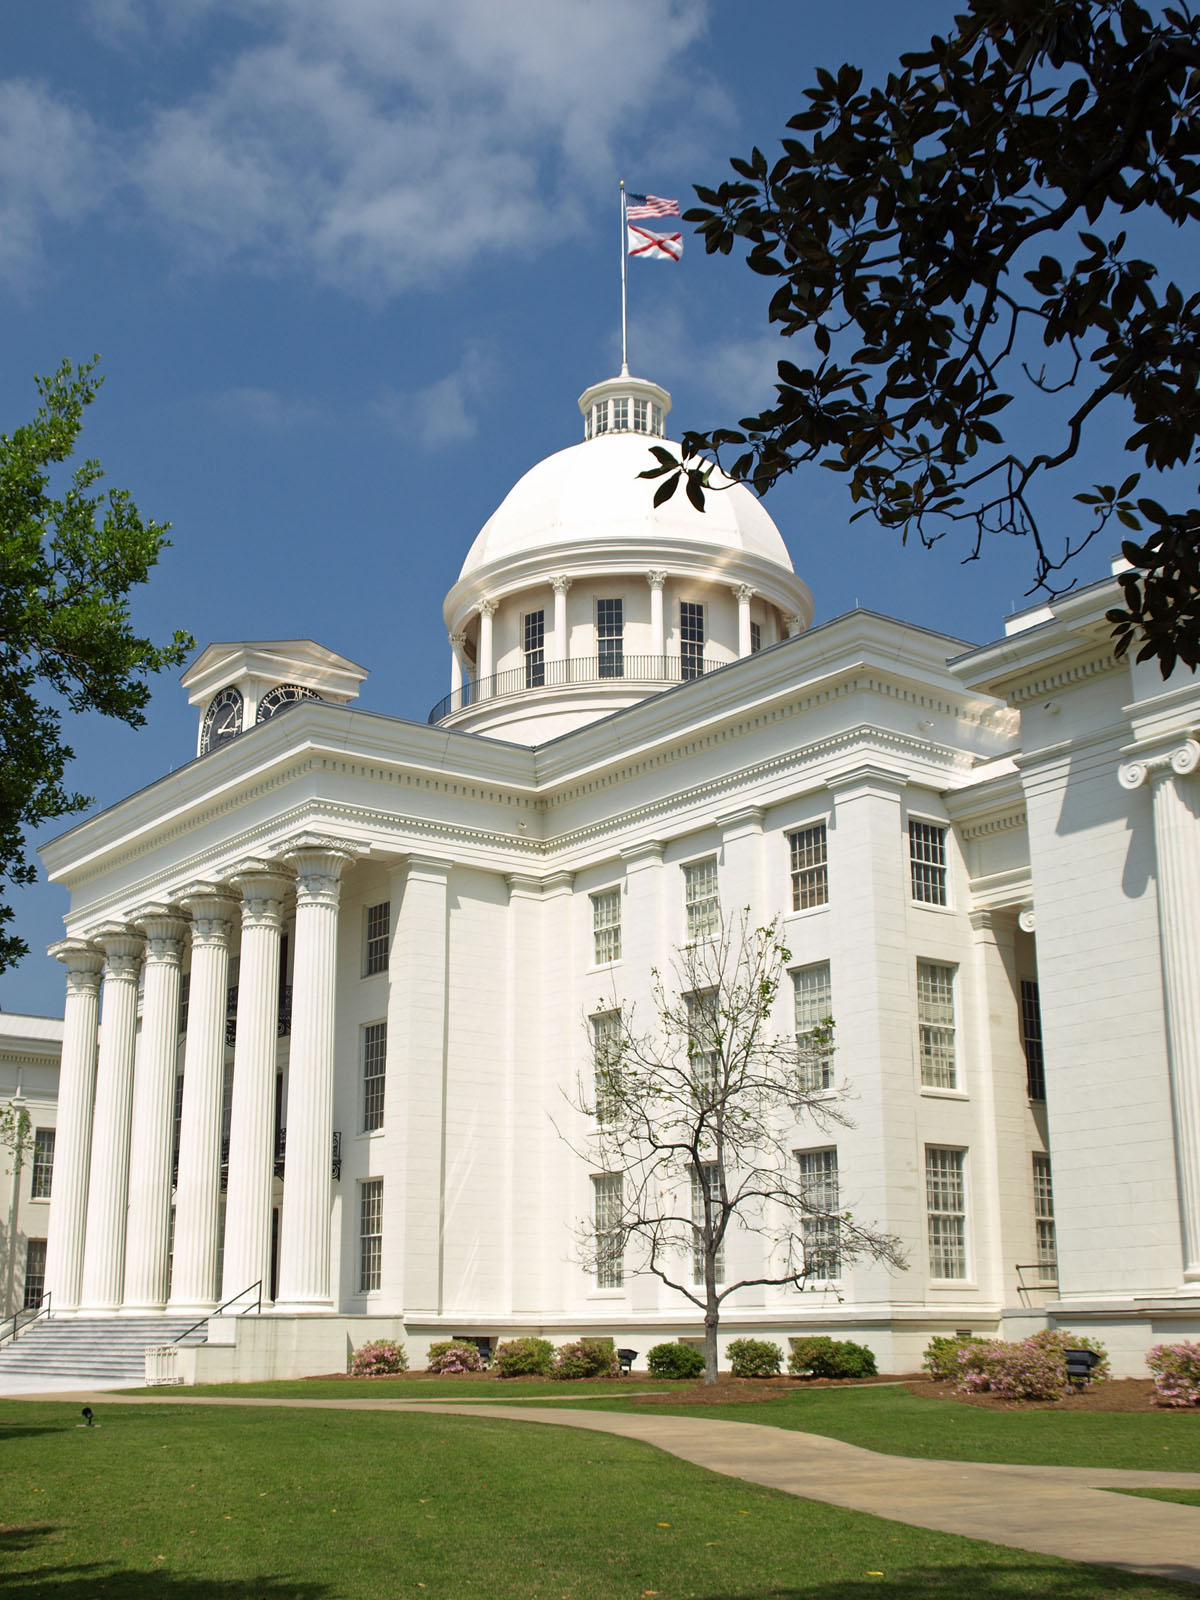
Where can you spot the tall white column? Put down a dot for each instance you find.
(657, 581)
(487, 610)
(1177, 847)
(148, 1232)
(73, 1135)
(304, 1283)
(743, 594)
(457, 640)
(247, 1258)
(197, 1188)
(108, 1185)
(560, 585)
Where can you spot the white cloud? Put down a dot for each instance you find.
(51, 171)
(386, 143)
(740, 374)
(440, 414)
(269, 409)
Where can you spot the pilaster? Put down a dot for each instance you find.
(73, 1135)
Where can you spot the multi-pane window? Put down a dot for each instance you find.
(810, 867)
(639, 416)
(712, 1183)
(946, 1208)
(610, 1245)
(1043, 1213)
(606, 1046)
(600, 416)
(374, 1058)
(185, 990)
(814, 1010)
(534, 645)
(35, 1274)
(935, 1024)
(1031, 1039)
(691, 638)
(610, 638)
(43, 1162)
(704, 1054)
(606, 926)
(656, 419)
(821, 1221)
(927, 863)
(620, 414)
(176, 1126)
(755, 638)
(370, 1234)
(379, 932)
(700, 899)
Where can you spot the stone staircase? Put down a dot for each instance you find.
(94, 1350)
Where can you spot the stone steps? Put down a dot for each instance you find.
(92, 1349)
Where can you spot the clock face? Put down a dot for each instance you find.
(281, 698)
(222, 720)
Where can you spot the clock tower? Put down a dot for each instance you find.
(237, 686)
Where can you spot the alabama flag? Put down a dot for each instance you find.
(649, 246)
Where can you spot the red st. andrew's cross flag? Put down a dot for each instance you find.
(642, 243)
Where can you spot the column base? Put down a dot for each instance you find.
(299, 1308)
(176, 1308)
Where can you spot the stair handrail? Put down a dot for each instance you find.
(257, 1306)
(31, 1315)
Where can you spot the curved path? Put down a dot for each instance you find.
(1059, 1511)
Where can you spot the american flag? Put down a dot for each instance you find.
(639, 206)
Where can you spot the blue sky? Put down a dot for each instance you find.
(348, 266)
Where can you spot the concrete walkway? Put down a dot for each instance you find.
(1058, 1511)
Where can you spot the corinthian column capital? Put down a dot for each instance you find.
(264, 890)
(212, 908)
(164, 931)
(83, 961)
(122, 946)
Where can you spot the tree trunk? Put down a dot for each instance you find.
(712, 1315)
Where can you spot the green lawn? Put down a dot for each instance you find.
(419, 1389)
(224, 1503)
(1177, 1497)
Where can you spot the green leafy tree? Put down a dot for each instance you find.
(693, 1123)
(70, 554)
(916, 229)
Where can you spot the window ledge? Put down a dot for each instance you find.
(370, 1133)
(927, 905)
(608, 1294)
(806, 911)
(930, 1091)
(953, 1283)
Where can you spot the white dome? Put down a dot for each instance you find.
(591, 493)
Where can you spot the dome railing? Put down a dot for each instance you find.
(533, 674)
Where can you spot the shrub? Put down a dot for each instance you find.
(1176, 1370)
(450, 1356)
(378, 1359)
(941, 1355)
(1034, 1369)
(754, 1358)
(675, 1361)
(586, 1358)
(822, 1357)
(523, 1358)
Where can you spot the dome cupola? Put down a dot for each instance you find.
(580, 596)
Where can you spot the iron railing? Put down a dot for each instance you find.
(23, 1319)
(284, 1026)
(579, 669)
(254, 1289)
(335, 1153)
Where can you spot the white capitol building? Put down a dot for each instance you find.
(329, 985)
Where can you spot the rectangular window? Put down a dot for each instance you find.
(35, 1274)
(600, 413)
(755, 638)
(610, 638)
(185, 990)
(691, 639)
(1043, 1211)
(639, 416)
(704, 1041)
(606, 1042)
(379, 934)
(535, 649)
(810, 867)
(176, 1126)
(606, 926)
(620, 414)
(814, 1007)
(370, 1234)
(1031, 1039)
(43, 1162)
(821, 1222)
(935, 1024)
(656, 419)
(374, 1059)
(927, 862)
(712, 1182)
(945, 1200)
(607, 1196)
(700, 900)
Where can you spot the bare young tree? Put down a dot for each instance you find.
(692, 1132)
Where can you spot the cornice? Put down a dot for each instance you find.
(1004, 823)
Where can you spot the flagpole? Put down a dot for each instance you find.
(624, 303)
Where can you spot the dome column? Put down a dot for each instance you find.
(560, 585)
(487, 610)
(657, 582)
(458, 672)
(743, 594)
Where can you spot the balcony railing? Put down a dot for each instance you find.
(335, 1153)
(578, 670)
(285, 1013)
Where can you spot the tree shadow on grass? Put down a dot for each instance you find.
(26, 1430)
(977, 1583)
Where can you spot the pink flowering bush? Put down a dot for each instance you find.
(586, 1358)
(1034, 1369)
(381, 1358)
(1176, 1370)
(941, 1355)
(450, 1356)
